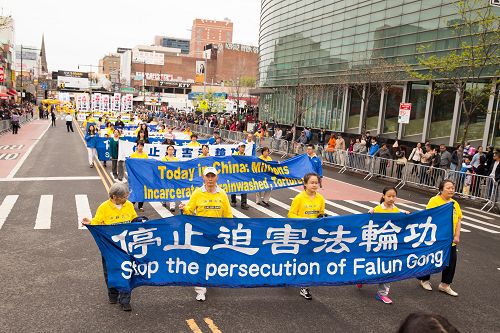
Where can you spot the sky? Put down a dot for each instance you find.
(82, 32)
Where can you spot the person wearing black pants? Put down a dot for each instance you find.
(244, 205)
(446, 192)
(114, 296)
(69, 122)
(53, 117)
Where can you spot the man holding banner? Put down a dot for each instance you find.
(244, 205)
(208, 201)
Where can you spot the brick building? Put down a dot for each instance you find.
(109, 65)
(206, 32)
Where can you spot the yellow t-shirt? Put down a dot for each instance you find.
(194, 144)
(108, 213)
(203, 155)
(109, 131)
(305, 207)
(437, 201)
(383, 209)
(135, 154)
(203, 203)
(170, 159)
(269, 159)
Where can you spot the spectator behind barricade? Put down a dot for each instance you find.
(445, 195)
(117, 209)
(194, 141)
(244, 205)
(456, 158)
(340, 149)
(368, 139)
(142, 136)
(419, 322)
(142, 127)
(300, 141)
(91, 141)
(494, 173)
(374, 147)
(330, 149)
(489, 156)
(204, 151)
(321, 138)
(116, 165)
(262, 198)
(400, 161)
(444, 157)
(466, 148)
(288, 135)
(416, 155)
(119, 122)
(475, 158)
(385, 154)
(308, 134)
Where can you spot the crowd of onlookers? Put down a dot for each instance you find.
(7, 110)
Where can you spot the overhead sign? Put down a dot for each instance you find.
(73, 74)
(172, 84)
(404, 113)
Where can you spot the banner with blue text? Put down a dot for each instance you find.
(151, 180)
(363, 248)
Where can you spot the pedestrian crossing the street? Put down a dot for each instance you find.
(43, 213)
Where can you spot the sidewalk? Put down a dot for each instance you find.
(15, 148)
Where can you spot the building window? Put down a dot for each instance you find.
(354, 110)
(442, 114)
(373, 111)
(418, 100)
(477, 121)
(494, 136)
(393, 97)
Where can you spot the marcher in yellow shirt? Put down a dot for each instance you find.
(445, 195)
(386, 206)
(170, 158)
(115, 210)
(204, 151)
(194, 141)
(308, 204)
(188, 132)
(262, 198)
(208, 201)
(139, 153)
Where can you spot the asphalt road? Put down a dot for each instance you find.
(51, 279)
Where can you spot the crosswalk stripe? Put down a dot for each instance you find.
(82, 209)
(331, 203)
(478, 215)
(7, 204)
(238, 214)
(44, 214)
(280, 204)
(480, 228)
(464, 217)
(263, 209)
(160, 209)
(483, 212)
(358, 204)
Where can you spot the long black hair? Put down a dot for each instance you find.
(385, 190)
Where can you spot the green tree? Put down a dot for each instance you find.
(477, 35)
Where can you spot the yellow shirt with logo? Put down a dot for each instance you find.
(437, 201)
(135, 154)
(108, 213)
(170, 159)
(194, 144)
(382, 209)
(268, 159)
(305, 207)
(203, 203)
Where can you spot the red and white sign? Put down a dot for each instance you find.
(404, 113)
(2, 74)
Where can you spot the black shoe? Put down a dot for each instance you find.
(92, 165)
(260, 203)
(245, 206)
(266, 204)
(126, 307)
(233, 204)
(164, 204)
(172, 210)
(304, 292)
(113, 299)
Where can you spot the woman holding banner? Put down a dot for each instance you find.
(116, 166)
(170, 158)
(262, 198)
(208, 201)
(117, 209)
(91, 141)
(445, 195)
(308, 204)
(139, 153)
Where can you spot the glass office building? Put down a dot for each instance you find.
(319, 40)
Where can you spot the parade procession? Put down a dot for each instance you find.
(250, 166)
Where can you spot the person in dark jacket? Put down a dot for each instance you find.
(116, 165)
(385, 155)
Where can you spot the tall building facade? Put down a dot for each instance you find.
(319, 40)
(177, 43)
(206, 32)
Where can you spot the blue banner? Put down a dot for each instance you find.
(195, 251)
(104, 154)
(152, 180)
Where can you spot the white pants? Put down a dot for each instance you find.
(200, 290)
(263, 196)
(92, 152)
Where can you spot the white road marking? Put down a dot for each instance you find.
(238, 214)
(6, 207)
(160, 209)
(478, 215)
(359, 204)
(263, 209)
(82, 209)
(31, 179)
(44, 214)
(494, 216)
(25, 156)
(480, 228)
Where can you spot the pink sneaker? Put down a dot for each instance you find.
(383, 298)
(359, 286)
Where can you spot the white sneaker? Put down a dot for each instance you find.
(200, 297)
(426, 285)
(448, 290)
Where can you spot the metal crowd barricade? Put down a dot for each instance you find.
(421, 175)
(386, 168)
(279, 146)
(476, 187)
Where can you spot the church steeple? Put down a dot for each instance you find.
(43, 59)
